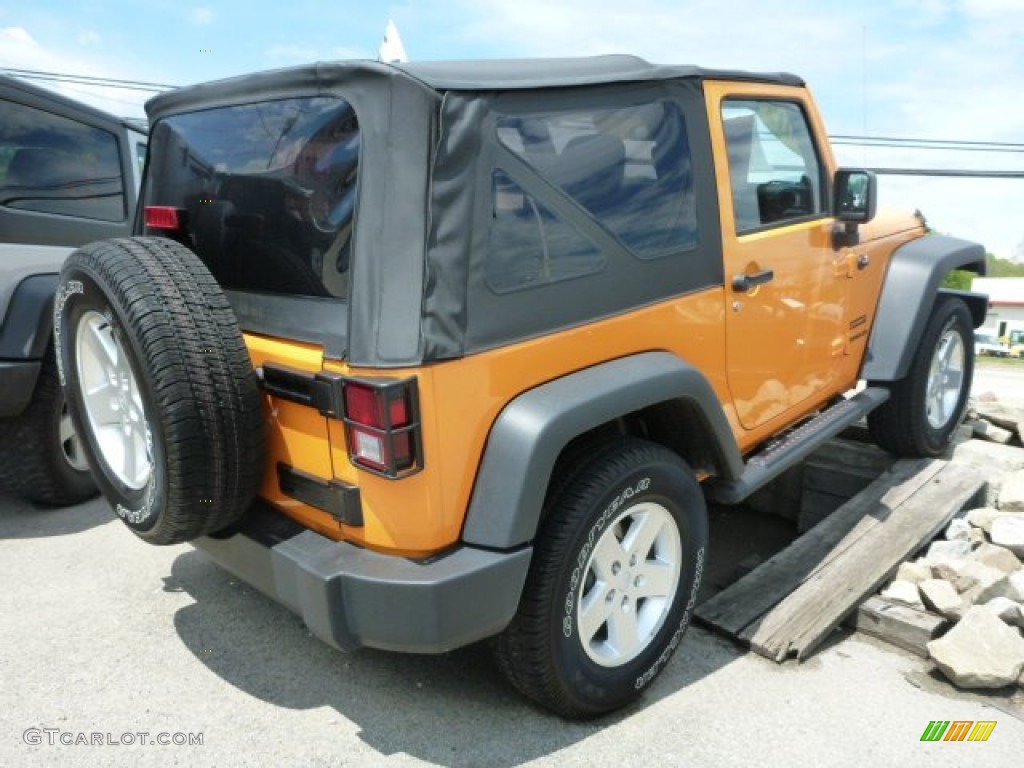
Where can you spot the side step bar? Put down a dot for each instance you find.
(790, 449)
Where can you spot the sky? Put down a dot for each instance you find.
(925, 69)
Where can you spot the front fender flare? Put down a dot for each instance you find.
(911, 287)
(530, 433)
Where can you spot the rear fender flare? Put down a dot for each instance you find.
(533, 429)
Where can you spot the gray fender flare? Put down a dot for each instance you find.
(532, 430)
(908, 295)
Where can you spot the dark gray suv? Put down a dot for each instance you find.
(69, 174)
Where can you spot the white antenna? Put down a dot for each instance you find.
(391, 49)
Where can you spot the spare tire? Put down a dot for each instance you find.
(160, 387)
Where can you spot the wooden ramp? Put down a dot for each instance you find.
(790, 603)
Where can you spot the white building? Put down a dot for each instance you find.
(1006, 302)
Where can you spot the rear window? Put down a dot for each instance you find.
(268, 191)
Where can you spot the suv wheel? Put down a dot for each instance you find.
(614, 579)
(924, 408)
(159, 386)
(41, 454)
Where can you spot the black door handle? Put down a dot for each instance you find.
(743, 283)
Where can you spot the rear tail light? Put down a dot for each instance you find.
(165, 217)
(382, 422)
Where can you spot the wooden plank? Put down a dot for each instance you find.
(898, 624)
(737, 607)
(861, 562)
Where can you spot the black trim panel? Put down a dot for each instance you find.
(318, 390)
(340, 500)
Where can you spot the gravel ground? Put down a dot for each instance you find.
(103, 634)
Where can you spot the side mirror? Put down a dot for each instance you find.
(855, 196)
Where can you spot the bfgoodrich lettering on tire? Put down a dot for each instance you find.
(924, 409)
(614, 579)
(159, 386)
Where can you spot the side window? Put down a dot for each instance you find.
(529, 245)
(630, 169)
(52, 164)
(773, 165)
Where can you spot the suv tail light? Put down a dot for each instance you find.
(383, 426)
(165, 217)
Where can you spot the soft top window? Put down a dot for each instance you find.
(268, 191)
(630, 168)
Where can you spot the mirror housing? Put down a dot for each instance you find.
(854, 202)
(854, 196)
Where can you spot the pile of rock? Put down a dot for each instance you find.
(974, 578)
(988, 419)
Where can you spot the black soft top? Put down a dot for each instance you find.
(441, 76)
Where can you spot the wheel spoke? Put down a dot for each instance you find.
(623, 632)
(608, 557)
(641, 535)
(656, 580)
(103, 345)
(594, 611)
(66, 430)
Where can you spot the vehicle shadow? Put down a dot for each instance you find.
(453, 710)
(21, 519)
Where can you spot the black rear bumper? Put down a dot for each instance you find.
(352, 597)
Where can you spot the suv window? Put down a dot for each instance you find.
(53, 164)
(773, 164)
(268, 191)
(629, 168)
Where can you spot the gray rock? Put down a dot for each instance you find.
(941, 596)
(1008, 531)
(976, 537)
(1006, 609)
(999, 588)
(967, 575)
(943, 551)
(983, 517)
(1016, 588)
(916, 572)
(1007, 417)
(996, 557)
(981, 651)
(903, 592)
(957, 529)
(988, 431)
(1011, 496)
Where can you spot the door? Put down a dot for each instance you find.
(785, 289)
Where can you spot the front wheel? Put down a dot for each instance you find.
(615, 574)
(925, 407)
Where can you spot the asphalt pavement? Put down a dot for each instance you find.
(109, 646)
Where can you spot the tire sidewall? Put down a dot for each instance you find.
(77, 293)
(603, 688)
(951, 314)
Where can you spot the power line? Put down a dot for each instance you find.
(950, 173)
(910, 145)
(107, 82)
(898, 140)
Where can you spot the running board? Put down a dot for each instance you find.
(792, 448)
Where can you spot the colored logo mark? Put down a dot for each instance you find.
(958, 730)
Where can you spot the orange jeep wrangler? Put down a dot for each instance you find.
(438, 352)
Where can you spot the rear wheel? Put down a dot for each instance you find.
(42, 457)
(159, 386)
(925, 408)
(614, 579)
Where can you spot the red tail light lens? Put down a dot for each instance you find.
(381, 419)
(165, 217)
